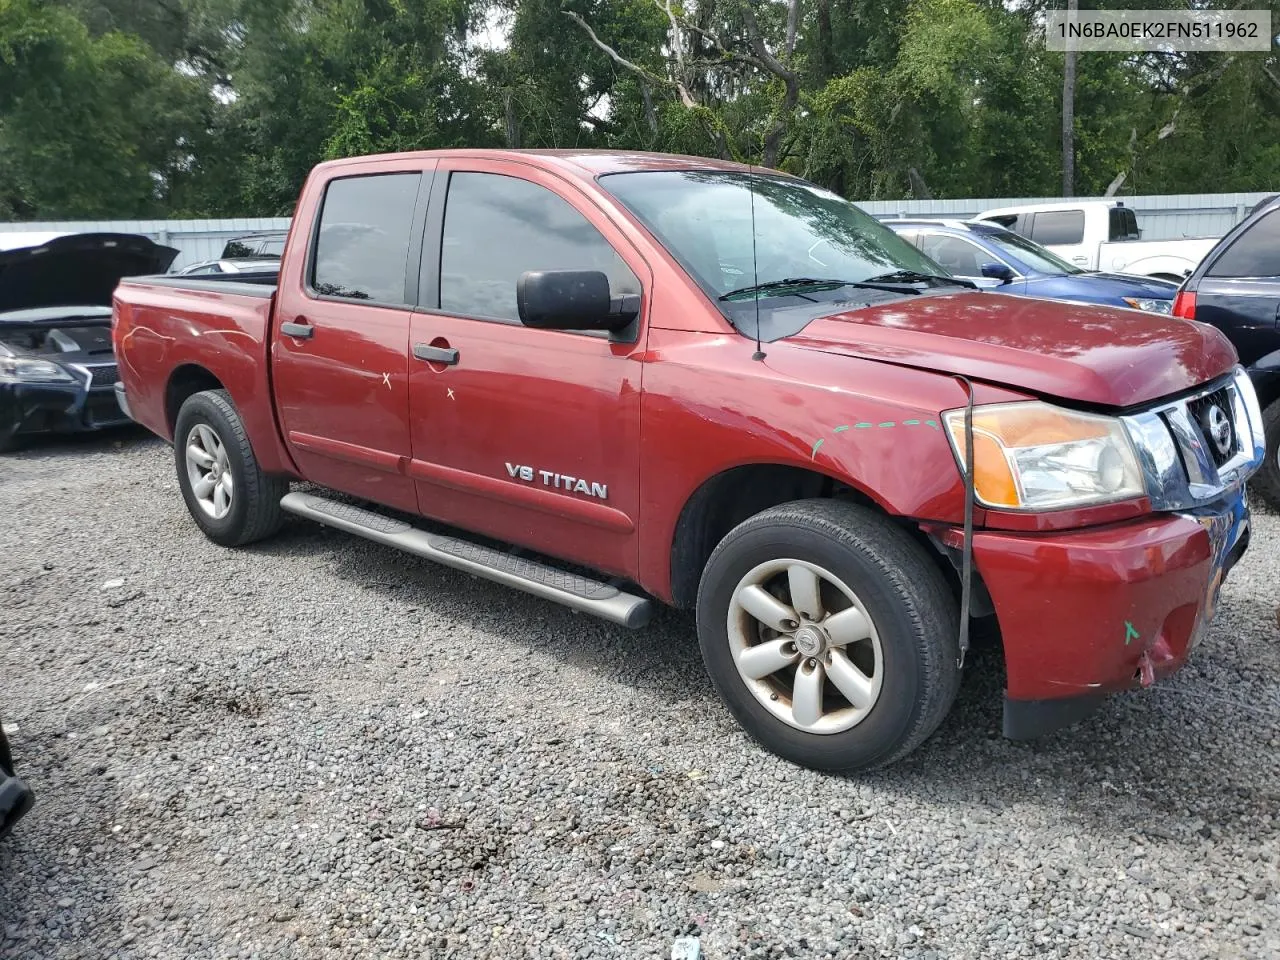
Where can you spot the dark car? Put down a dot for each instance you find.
(16, 797)
(57, 369)
(1001, 260)
(255, 246)
(1236, 288)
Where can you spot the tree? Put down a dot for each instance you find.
(89, 126)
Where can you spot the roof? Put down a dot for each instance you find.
(1046, 207)
(925, 222)
(582, 163)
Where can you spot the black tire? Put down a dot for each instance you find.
(1266, 482)
(255, 505)
(907, 597)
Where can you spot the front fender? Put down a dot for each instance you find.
(709, 408)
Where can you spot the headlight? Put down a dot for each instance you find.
(1151, 306)
(1035, 456)
(28, 370)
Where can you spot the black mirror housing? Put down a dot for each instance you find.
(997, 271)
(572, 300)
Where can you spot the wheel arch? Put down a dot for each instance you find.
(185, 381)
(735, 494)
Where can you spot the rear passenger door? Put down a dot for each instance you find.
(1240, 291)
(341, 337)
(530, 436)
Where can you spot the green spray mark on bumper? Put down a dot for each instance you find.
(1130, 634)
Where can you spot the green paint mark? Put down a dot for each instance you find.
(862, 426)
(911, 423)
(887, 424)
(1130, 634)
(841, 429)
(817, 443)
(932, 423)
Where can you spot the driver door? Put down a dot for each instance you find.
(529, 436)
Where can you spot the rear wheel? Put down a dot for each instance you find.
(226, 492)
(830, 635)
(1266, 482)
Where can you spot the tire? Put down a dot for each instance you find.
(879, 575)
(250, 509)
(1266, 482)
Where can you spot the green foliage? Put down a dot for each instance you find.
(120, 108)
(88, 126)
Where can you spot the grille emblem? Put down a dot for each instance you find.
(1218, 426)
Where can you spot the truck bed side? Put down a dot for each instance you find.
(174, 336)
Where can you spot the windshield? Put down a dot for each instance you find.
(705, 219)
(1030, 253)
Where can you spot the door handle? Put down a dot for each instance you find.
(300, 330)
(424, 351)
(1080, 259)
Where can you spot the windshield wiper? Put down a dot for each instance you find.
(816, 282)
(914, 276)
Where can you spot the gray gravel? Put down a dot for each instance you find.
(317, 747)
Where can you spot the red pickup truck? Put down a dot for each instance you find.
(611, 379)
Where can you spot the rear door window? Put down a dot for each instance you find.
(363, 242)
(497, 227)
(1255, 253)
(1058, 227)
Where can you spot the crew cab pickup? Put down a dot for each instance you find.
(616, 380)
(1102, 235)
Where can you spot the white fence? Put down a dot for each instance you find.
(1166, 217)
(1160, 218)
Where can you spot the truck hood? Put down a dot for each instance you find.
(1082, 352)
(81, 268)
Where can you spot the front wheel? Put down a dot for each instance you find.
(830, 635)
(227, 494)
(1266, 482)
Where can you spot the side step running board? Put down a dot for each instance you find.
(579, 592)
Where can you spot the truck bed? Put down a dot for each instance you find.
(168, 327)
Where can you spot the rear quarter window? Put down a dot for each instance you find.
(1123, 224)
(1255, 253)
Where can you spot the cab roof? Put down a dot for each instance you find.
(585, 164)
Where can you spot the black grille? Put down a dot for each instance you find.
(104, 375)
(1210, 412)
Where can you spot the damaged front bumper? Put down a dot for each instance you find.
(1094, 612)
(31, 408)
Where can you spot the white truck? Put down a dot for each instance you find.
(1102, 235)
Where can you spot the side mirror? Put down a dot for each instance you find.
(572, 300)
(997, 271)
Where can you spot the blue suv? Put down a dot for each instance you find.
(1000, 260)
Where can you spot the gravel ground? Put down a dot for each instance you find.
(320, 748)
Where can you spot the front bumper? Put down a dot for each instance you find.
(1092, 612)
(27, 409)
